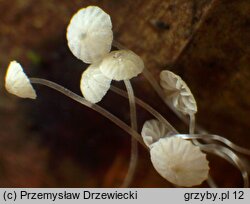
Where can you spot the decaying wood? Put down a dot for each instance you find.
(205, 41)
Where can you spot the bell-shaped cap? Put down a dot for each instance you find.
(179, 161)
(177, 91)
(89, 34)
(121, 65)
(17, 83)
(153, 130)
(94, 85)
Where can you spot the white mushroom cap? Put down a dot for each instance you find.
(178, 92)
(89, 34)
(94, 85)
(17, 83)
(153, 130)
(179, 161)
(121, 65)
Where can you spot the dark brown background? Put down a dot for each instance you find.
(54, 142)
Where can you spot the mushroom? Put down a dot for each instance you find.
(171, 155)
(153, 130)
(216, 149)
(89, 37)
(17, 83)
(177, 91)
(179, 161)
(124, 65)
(89, 34)
(121, 65)
(94, 85)
(117, 65)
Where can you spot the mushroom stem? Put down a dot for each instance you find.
(210, 180)
(163, 120)
(134, 147)
(147, 107)
(160, 92)
(94, 107)
(192, 127)
(209, 137)
(220, 151)
(144, 105)
(231, 157)
(191, 123)
(147, 74)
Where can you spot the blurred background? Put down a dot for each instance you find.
(56, 142)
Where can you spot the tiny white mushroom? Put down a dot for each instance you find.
(179, 161)
(153, 130)
(178, 92)
(89, 34)
(94, 85)
(124, 65)
(17, 83)
(121, 65)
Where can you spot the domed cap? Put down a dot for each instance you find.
(177, 91)
(94, 85)
(17, 83)
(179, 161)
(121, 65)
(89, 34)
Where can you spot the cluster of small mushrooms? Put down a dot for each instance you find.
(179, 158)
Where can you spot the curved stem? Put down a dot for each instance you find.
(160, 92)
(204, 136)
(94, 107)
(221, 151)
(210, 180)
(146, 107)
(134, 146)
(230, 156)
(210, 137)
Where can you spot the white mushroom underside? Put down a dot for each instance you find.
(94, 85)
(179, 161)
(153, 130)
(121, 65)
(177, 91)
(89, 34)
(17, 83)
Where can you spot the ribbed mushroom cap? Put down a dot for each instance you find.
(17, 83)
(179, 161)
(94, 85)
(121, 65)
(177, 91)
(89, 34)
(153, 130)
